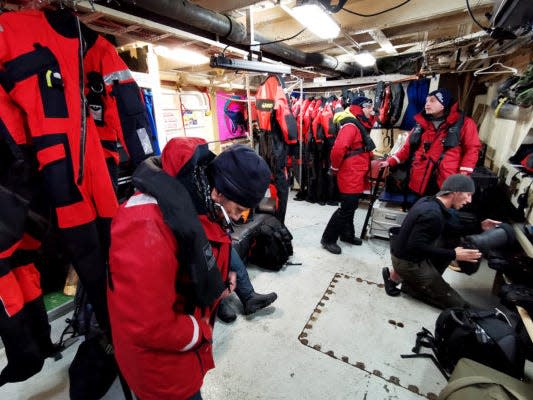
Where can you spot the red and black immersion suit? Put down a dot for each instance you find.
(24, 326)
(305, 114)
(350, 159)
(115, 103)
(277, 131)
(42, 70)
(329, 184)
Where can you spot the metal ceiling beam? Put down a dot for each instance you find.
(383, 41)
(358, 81)
(233, 31)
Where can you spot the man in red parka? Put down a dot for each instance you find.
(169, 259)
(443, 142)
(350, 161)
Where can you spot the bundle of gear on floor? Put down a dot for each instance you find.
(67, 98)
(486, 336)
(264, 241)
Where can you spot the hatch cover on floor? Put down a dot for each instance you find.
(357, 323)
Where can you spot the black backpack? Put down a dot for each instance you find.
(485, 336)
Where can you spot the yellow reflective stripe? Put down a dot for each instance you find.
(49, 78)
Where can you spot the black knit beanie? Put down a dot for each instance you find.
(457, 183)
(241, 175)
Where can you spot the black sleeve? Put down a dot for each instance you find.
(426, 230)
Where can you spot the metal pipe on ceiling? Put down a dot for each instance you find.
(229, 29)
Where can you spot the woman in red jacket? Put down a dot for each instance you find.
(169, 259)
(350, 161)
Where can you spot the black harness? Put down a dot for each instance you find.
(368, 143)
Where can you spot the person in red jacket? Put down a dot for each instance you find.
(169, 259)
(350, 161)
(444, 142)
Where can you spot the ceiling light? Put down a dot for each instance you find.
(364, 59)
(182, 55)
(246, 65)
(315, 18)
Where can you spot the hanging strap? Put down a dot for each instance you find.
(425, 338)
(460, 383)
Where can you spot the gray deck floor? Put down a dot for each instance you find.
(291, 351)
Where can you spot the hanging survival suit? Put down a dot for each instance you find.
(24, 326)
(384, 110)
(397, 94)
(278, 128)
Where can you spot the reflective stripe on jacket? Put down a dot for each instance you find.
(459, 159)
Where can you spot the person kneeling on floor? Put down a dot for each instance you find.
(250, 300)
(418, 259)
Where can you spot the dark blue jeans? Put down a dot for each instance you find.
(244, 287)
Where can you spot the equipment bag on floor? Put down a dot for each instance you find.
(263, 241)
(485, 336)
(473, 381)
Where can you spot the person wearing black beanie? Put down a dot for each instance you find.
(443, 142)
(171, 264)
(350, 162)
(240, 175)
(418, 253)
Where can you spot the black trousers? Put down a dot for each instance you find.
(341, 222)
(423, 280)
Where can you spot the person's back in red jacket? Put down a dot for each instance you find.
(161, 334)
(350, 162)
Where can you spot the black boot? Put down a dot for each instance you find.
(390, 285)
(352, 240)
(225, 312)
(348, 234)
(333, 248)
(331, 234)
(258, 301)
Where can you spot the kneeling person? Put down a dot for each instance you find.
(418, 258)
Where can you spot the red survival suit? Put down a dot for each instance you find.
(24, 326)
(162, 350)
(42, 70)
(278, 129)
(348, 155)
(431, 152)
(43, 73)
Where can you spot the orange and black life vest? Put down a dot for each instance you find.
(272, 105)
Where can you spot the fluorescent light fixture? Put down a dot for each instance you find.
(315, 18)
(364, 59)
(246, 65)
(182, 55)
